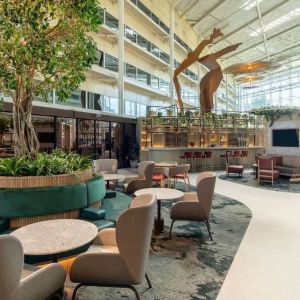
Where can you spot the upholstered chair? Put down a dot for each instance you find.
(196, 206)
(144, 179)
(160, 175)
(179, 172)
(233, 169)
(19, 281)
(265, 170)
(118, 257)
(106, 166)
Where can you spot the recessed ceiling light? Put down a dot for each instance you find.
(279, 21)
(249, 4)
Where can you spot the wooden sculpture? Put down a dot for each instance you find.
(211, 81)
(192, 58)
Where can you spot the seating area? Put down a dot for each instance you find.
(149, 150)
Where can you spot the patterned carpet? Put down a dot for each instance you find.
(189, 266)
(249, 179)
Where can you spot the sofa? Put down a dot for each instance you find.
(286, 165)
(89, 201)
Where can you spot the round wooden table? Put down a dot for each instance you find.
(111, 177)
(161, 194)
(55, 237)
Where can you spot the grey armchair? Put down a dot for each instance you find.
(196, 206)
(106, 165)
(144, 180)
(19, 281)
(119, 256)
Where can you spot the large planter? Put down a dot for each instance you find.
(39, 181)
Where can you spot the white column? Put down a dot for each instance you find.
(121, 58)
(171, 63)
(226, 78)
(199, 75)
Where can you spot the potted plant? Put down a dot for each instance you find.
(170, 112)
(134, 155)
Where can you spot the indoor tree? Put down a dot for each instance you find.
(44, 45)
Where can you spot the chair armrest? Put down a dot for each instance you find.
(98, 267)
(190, 196)
(106, 237)
(43, 282)
(135, 185)
(186, 210)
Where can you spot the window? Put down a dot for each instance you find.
(90, 101)
(129, 108)
(154, 82)
(164, 56)
(111, 63)
(99, 58)
(141, 110)
(111, 21)
(144, 9)
(130, 71)
(111, 104)
(154, 50)
(143, 43)
(164, 86)
(143, 76)
(130, 34)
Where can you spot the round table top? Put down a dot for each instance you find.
(55, 236)
(108, 177)
(161, 193)
(165, 164)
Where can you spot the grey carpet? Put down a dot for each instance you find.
(249, 179)
(189, 266)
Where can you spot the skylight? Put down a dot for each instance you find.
(249, 4)
(279, 21)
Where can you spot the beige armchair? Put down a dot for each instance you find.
(19, 281)
(144, 179)
(179, 172)
(119, 256)
(196, 206)
(106, 165)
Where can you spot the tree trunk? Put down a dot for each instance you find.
(26, 142)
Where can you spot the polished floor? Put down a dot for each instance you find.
(267, 264)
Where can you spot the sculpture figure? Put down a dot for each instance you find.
(211, 81)
(191, 58)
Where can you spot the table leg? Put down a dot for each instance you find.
(159, 221)
(107, 184)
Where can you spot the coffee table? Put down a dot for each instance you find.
(55, 238)
(161, 194)
(111, 177)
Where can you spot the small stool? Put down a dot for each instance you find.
(197, 156)
(208, 156)
(237, 155)
(187, 156)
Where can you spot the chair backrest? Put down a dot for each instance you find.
(197, 154)
(265, 164)
(208, 154)
(244, 153)
(11, 262)
(145, 170)
(180, 169)
(162, 171)
(188, 154)
(107, 165)
(133, 234)
(205, 190)
(237, 153)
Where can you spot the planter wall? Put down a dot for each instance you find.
(39, 181)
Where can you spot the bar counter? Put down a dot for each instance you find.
(173, 154)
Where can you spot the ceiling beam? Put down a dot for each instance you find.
(208, 13)
(282, 51)
(251, 21)
(188, 8)
(259, 43)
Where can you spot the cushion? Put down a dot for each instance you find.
(92, 213)
(110, 194)
(27, 202)
(95, 190)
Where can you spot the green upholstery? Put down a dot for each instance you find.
(110, 194)
(29, 202)
(114, 207)
(95, 190)
(92, 213)
(3, 225)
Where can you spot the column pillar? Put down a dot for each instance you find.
(171, 62)
(121, 58)
(226, 78)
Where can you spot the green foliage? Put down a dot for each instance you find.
(55, 163)
(272, 113)
(4, 124)
(46, 44)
